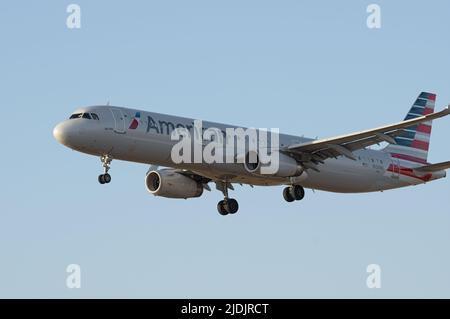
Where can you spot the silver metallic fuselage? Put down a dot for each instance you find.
(151, 143)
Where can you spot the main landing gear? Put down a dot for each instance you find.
(105, 178)
(294, 192)
(227, 205)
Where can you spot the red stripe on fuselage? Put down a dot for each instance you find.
(408, 172)
(409, 158)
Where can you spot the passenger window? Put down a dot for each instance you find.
(95, 116)
(86, 116)
(75, 116)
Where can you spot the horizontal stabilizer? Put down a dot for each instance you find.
(433, 168)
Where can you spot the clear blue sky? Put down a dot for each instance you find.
(311, 68)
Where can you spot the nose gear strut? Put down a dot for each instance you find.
(106, 161)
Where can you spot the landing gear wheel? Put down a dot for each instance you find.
(221, 208)
(104, 179)
(287, 195)
(107, 178)
(297, 192)
(227, 205)
(231, 206)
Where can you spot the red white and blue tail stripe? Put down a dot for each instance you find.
(413, 146)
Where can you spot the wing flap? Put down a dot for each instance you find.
(376, 139)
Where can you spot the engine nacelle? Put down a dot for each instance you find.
(287, 166)
(170, 184)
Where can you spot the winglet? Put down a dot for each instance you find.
(433, 167)
(445, 111)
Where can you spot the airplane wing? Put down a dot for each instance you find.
(319, 150)
(193, 175)
(433, 168)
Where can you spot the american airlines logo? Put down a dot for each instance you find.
(135, 122)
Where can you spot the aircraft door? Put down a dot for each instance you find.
(119, 120)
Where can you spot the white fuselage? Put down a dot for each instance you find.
(150, 143)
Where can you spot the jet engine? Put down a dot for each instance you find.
(287, 166)
(170, 184)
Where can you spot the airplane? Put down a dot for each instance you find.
(341, 164)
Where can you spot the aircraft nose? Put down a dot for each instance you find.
(64, 133)
(58, 133)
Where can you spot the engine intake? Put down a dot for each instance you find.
(170, 184)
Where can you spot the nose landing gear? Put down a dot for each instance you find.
(105, 178)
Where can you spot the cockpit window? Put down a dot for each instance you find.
(89, 116)
(75, 116)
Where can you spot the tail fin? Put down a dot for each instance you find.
(414, 144)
